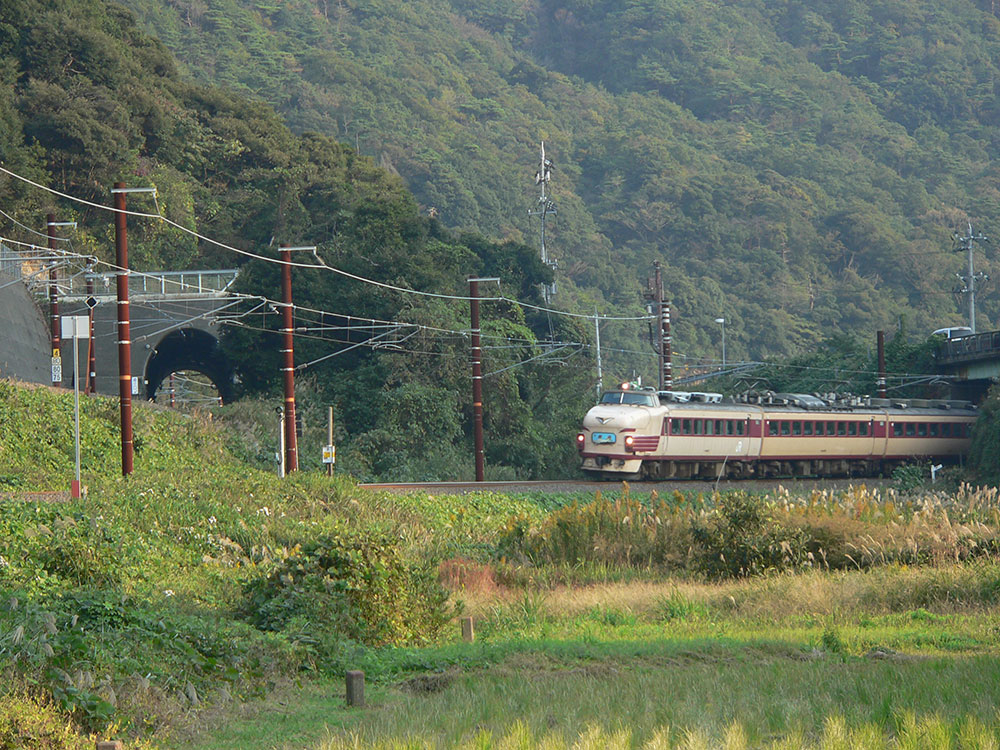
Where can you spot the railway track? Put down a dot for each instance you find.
(581, 485)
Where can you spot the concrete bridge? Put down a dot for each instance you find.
(174, 316)
(974, 361)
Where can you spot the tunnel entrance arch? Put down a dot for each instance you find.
(190, 349)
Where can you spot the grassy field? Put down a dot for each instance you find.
(205, 604)
(897, 657)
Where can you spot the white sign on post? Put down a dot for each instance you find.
(75, 326)
(329, 454)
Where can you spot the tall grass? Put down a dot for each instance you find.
(739, 533)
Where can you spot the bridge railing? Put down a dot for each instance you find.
(158, 283)
(977, 346)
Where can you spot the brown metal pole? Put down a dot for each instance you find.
(124, 334)
(666, 343)
(56, 324)
(91, 354)
(477, 382)
(881, 383)
(288, 368)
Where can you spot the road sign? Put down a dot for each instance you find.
(57, 369)
(91, 302)
(329, 454)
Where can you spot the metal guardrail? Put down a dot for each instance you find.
(968, 348)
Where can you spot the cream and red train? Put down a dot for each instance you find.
(638, 432)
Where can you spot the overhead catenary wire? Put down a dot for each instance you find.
(320, 264)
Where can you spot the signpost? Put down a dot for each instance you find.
(75, 326)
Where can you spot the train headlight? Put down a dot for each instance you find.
(629, 442)
(581, 439)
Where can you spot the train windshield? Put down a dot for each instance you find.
(629, 397)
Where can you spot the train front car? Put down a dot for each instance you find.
(622, 429)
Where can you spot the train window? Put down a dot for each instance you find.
(730, 427)
(921, 429)
(772, 427)
(807, 428)
(863, 429)
(675, 426)
(934, 429)
(718, 426)
(785, 429)
(821, 428)
(841, 428)
(911, 429)
(687, 426)
(708, 427)
(946, 429)
(740, 428)
(852, 429)
(897, 429)
(796, 427)
(699, 426)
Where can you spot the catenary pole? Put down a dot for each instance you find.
(880, 346)
(124, 334)
(477, 380)
(55, 323)
(91, 353)
(477, 376)
(288, 367)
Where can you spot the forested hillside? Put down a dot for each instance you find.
(799, 165)
(88, 99)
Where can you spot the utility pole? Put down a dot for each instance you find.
(656, 305)
(971, 277)
(546, 208)
(477, 377)
(91, 353)
(119, 192)
(55, 325)
(291, 451)
(597, 337)
(881, 382)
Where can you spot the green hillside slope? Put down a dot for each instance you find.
(89, 99)
(799, 166)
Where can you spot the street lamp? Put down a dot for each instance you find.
(722, 322)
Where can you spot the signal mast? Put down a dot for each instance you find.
(546, 208)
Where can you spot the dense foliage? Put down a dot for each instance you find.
(89, 99)
(799, 166)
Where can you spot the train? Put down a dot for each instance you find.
(637, 432)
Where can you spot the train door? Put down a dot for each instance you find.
(880, 434)
(755, 433)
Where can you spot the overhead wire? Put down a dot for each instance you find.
(320, 264)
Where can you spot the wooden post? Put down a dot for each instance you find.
(356, 688)
(468, 632)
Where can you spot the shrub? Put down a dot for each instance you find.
(28, 723)
(741, 537)
(623, 531)
(362, 587)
